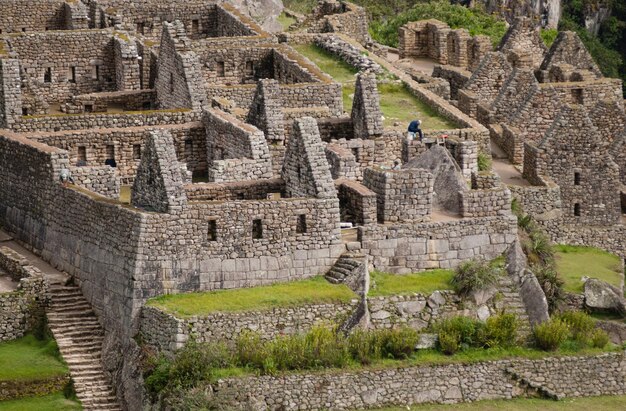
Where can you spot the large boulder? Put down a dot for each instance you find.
(602, 296)
(264, 12)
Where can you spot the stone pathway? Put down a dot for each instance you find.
(77, 331)
(512, 304)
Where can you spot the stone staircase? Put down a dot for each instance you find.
(350, 269)
(512, 303)
(79, 336)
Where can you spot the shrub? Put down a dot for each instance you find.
(474, 275)
(581, 325)
(599, 338)
(551, 334)
(195, 362)
(398, 343)
(159, 376)
(538, 247)
(551, 284)
(287, 352)
(364, 346)
(250, 350)
(484, 162)
(326, 348)
(448, 342)
(466, 331)
(500, 331)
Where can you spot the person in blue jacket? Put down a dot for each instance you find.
(414, 128)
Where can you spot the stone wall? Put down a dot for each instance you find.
(403, 248)
(241, 190)
(236, 151)
(402, 195)
(331, 16)
(10, 92)
(24, 16)
(505, 379)
(357, 203)
(103, 180)
(168, 333)
(18, 308)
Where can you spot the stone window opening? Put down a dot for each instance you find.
(23, 29)
(97, 72)
(24, 111)
(188, 148)
(0, 31)
(140, 27)
(110, 156)
(88, 108)
(257, 229)
(195, 26)
(212, 230)
(72, 74)
(356, 153)
(577, 96)
(249, 68)
(219, 69)
(137, 151)
(171, 82)
(577, 209)
(82, 156)
(301, 224)
(47, 77)
(577, 178)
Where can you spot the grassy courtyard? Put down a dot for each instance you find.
(285, 21)
(383, 284)
(29, 359)
(396, 102)
(574, 262)
(52, 402)
(314, 290)
(604, 403)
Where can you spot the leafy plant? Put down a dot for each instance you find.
(551, 284)
(448, 342)
(500, 331)
(581, 325)
(549, 335)
(474, 275)
(599, 338)
(398, 343)
(484, 162)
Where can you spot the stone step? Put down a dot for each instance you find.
(74, 313)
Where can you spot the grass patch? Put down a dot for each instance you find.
(314, 290)
(300, 6)
(285, 21)
(574, 262)
(30, 359)
(383, 284)
(606, 403)
(52, 402)
(397, 103)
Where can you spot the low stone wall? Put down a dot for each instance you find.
(455, 76)
(488, 202)
(17, 308)
(347, 52)
(103, 180)
(166, 332)
(418, 311)
(447, 384)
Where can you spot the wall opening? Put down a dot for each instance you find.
(219, 68)
(577, 209)
(171, 82)
(72, 74)
(137, 151)
(301, 224)
(140, 27)
(188, 148)
(257, 229)
(577, 178)
(110, 156)
(212, 230)
(577, 96)
(82, 156)
(24, 111)
(356, 153)
(195, 26)
(88, 108)
(47, 76)
(249, 68)
(97, 72)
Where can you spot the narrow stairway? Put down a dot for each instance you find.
(79, 336)
(512, 303)
(344, 267)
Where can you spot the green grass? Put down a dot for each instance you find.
(574, 262)
(314, 290)
(52, 402)
(285, 21)
(396, 101)
(29, 359)
(300, 6)
(383, 284)
(604, 403)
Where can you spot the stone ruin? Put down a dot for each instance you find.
(243, 167)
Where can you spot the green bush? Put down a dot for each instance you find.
(551, 284)
(500, 331)
(581, 325)
(599, 338)
(195, 362)
(326, 348)
(250, 350)
(288, 352)
(551, 334)
(159, 376)
(538, 247)
(398, 343)
(364, 346)
(448, 342)
(474, 275)
(484, 162)
(466, 331)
